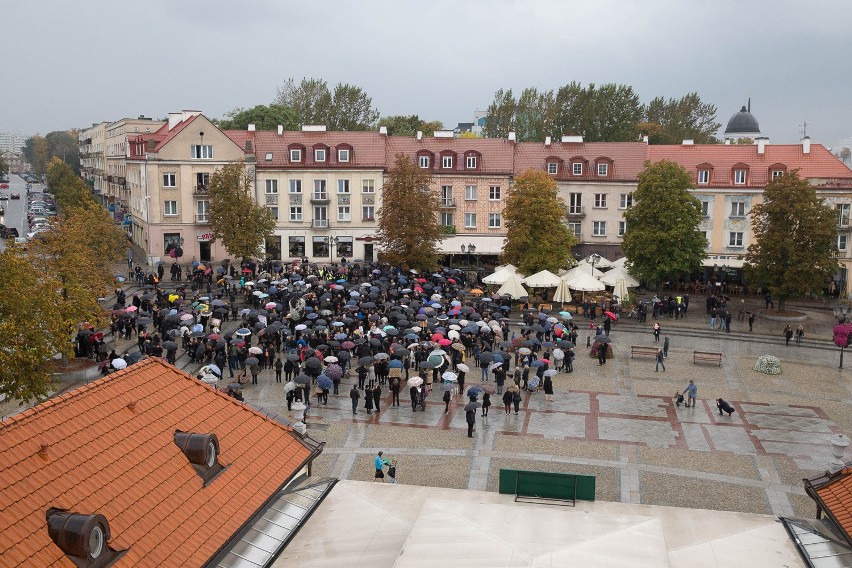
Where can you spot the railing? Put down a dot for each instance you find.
(202, 218)
(843, 222)
(320, 223)
(319, 197)
(448, 229)
(368, 219)
(200, 190)
(575, 211)
(448, 202)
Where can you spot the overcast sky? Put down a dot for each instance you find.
(70, 64)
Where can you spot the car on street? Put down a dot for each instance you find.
(16, 196)
(4, 196)
(4, 186)
(8, 232)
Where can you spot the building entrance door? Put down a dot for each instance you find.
(368, 252)
(204, 252)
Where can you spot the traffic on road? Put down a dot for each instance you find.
(25, 210)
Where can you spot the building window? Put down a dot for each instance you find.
(575, 203)
(739, 177)
(368, 213)
(447, 196)
(735, 239)
(296, 247)
(319, 189)
(343, 155)
(268, 156)
(842, 241)
(344, 247)
(577, 168)
(296, 156)
(470, 220)
(494, 221)
(295, 186)
(738, 209)
(552, 168)
(602, 170)
(470, 193)
(470, 162)
(599, 228)
(320, 216)
(625, 201)
(170, 208)
(274, 211)
(703, 177)
(171, 241)
(202, 152)
(319, 155)
(343, 186)
(777, 173)
(843, 211)
(576, 228)
(368, 186)
(494, 193)
(169, 180)
(600, 200)
(202, 207)
(622, 228)
(321, 247)
(271, 186)
(447, 162)
(424, 162)
(344, 213)
(273, 247)
(296, 214)
(447, 219)
(705, 208)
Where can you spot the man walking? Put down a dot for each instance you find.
(660, 362)
(750, 321)
(470, 417)
(691, 392)
(354, 394)
(666, 346)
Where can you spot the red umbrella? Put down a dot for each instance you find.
(214, 337)
(436, 337)
(421, 280)
(611, 315)
(246, 270)
(444, 342)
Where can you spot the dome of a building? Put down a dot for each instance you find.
(742, 123)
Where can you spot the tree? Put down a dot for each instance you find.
(675, 120)
(264, 117)
(409, 125)
(534, 114)
(536, 237)
(611, 114)
(408, 225)
(570, 109)
(661, 239)
(68, 188)
(235, 218)
(348, 108)
(65, 145)
(4, 167)
(794, 246)
(351, 109)
(500, 116)
(37, 153)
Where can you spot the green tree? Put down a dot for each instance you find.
(409, 125)
(674, 120)
(347, 108)
(264, 117)
(661, 239)
(612, 114)
(408, 225)
(795, 244)
(500, 116)
(37, 154)
(534, 115)
(570, 109)
(4, 167)
(235, 218)
(68, 188)
(536, 237)
(351, 109)
(65, 145)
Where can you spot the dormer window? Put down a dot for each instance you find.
(343, 155)
(423, 161)
(777, 173)
(471, 162)
(295, 155)
(577, 168)
(447, 162)
(202, 152)
(319, 155)
(739, 177)
(552, 168)
(202, 451)
(603, 170)
(703, 177)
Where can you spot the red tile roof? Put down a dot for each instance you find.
(497, 153)
(628, 158)
(368, 149)
(104, 457)
(819, 163)
(833, 492)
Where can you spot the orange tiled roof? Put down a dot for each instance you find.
(628, 158)
(104, 457)
(497, 153)
(836, 497)
(368, 149)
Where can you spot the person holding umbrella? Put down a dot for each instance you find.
(548, 385)
(368, 398)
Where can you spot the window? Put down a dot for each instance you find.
(577, 168)
(170, 208)
(368, 186)
(319, 189)
(343, 186)
(202, 207)
(171, 241)
(576, 228)
(169, 180)
(447, 162)
(343, 213)
(735, 239)
(777, 173)
(319, 155)
(599, 228)
(202, 152)
(320, 216)
(739, 177)
(703, 177)
(705, 208)
(842, 241)
(470, 193)
(271, 186)
(296, 246)
(424, 162)
(602, 170)
(494, 221)
(295, 186)
(321, 247)
(274, 211)
(268, 156)
(296, 213)
(738, 209)
(625, 201)
(622, 228)
(344, 246)
(470, 220)
(552, 168)
(494, 193)
(575, 203)
(600, 200)
(273, 247)
(843, 211)
(470, 162)
(296, 156)
(447, 196)
(447, 219)
(202, 182)
(368, 213)
(343, 155)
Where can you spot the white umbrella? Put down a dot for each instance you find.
(563, 293)
(585, 283)
(621, 290)
(583, 269)
(616, 274)
(601, 262)
(510, 267)
(499, 277)
(118, 363)
(513, 288)
(543, 279)
(620, 263)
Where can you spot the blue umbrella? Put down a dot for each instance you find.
(197, 327)
(537, 363)
(324, 382)
(474, 391)
(395, 364)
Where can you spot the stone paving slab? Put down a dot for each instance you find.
(698, 492)
(782, 409)
(773, 421)
(727, 439)
(654, 433)
(556, 426)
(632, 406)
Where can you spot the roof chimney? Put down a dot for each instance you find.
(512, 137)
(175, 119)
(572, 139)
(152, 144)
(806, 145)
(645, 139)
(443, 134)
(761, 146)
(383, 130)
(688, 142)
(280, 130)
(419, 135)
(547, 140)
(727, 141)
(251, 128)
(313, 128)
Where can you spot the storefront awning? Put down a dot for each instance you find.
(484, 244)
(720, 261)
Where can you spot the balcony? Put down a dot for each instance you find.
(575, 212)
(368, 219)
(319, 223)
(202, 219)
(200, 190)
(448, 229)
(448, 203)
(320, 198)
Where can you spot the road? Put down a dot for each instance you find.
(16, 209)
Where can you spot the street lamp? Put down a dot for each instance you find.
(332, 243)
(471, 248)
(594, 258)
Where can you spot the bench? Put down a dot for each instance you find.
(706, 357)
(642, 350)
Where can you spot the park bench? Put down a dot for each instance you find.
(706, 357)
(642, 350)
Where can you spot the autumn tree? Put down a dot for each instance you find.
(235, 217)
(408, 223)
(409, 125)
(674, 120)
(37, 153)
(347, 108)
(661, 240)
(264, 117)
(536, 237)
(68, 188)
(4, 167)
(795, 244)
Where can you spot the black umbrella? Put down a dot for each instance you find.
(252, 361)
(472, 406)
(302, 379)
(294, 357)
(170, 345)
(313, 363)
(365, 361)
(602, 339)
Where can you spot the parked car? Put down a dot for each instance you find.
(4, 186)
(9, 232)
(16, 196)
(4, 196)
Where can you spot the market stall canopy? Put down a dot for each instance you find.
(616, 274)
(562, 294)
(620, 290)
(583, 269)
(543, 279)
(586, 283)
(620, 263)
(499, 277)
(513, 288)
(600, 263)
(491, 245)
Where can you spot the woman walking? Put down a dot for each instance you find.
(548, 388)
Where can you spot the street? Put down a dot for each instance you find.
(16, 209)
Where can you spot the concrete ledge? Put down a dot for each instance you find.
(769, 315)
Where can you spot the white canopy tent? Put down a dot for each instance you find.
(583, 269)
(543, 279)
(513, 288)
(620, 290)
(563, 293)
(616, 274)
(600, 263)
(510, 267)
(585, 283)
(499, 277)
(620, 263)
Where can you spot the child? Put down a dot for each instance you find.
(678, 398)
(392, 472)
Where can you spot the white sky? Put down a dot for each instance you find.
(69, 64)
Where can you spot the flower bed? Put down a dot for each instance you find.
(768, 364)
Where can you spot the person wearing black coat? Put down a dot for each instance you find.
(447, 398)
(548, 388)
(413, 393)
(354, 394)
(724, 406)
(279, 366)
(470, 417)
(368, 399)
(362, 375)
(507, 401)
(377, 396)
(486, 403)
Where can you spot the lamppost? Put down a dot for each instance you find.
(471, 250)
(594, 258)
(332, 244)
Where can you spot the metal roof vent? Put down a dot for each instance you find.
(202, 451)
(83, 538)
